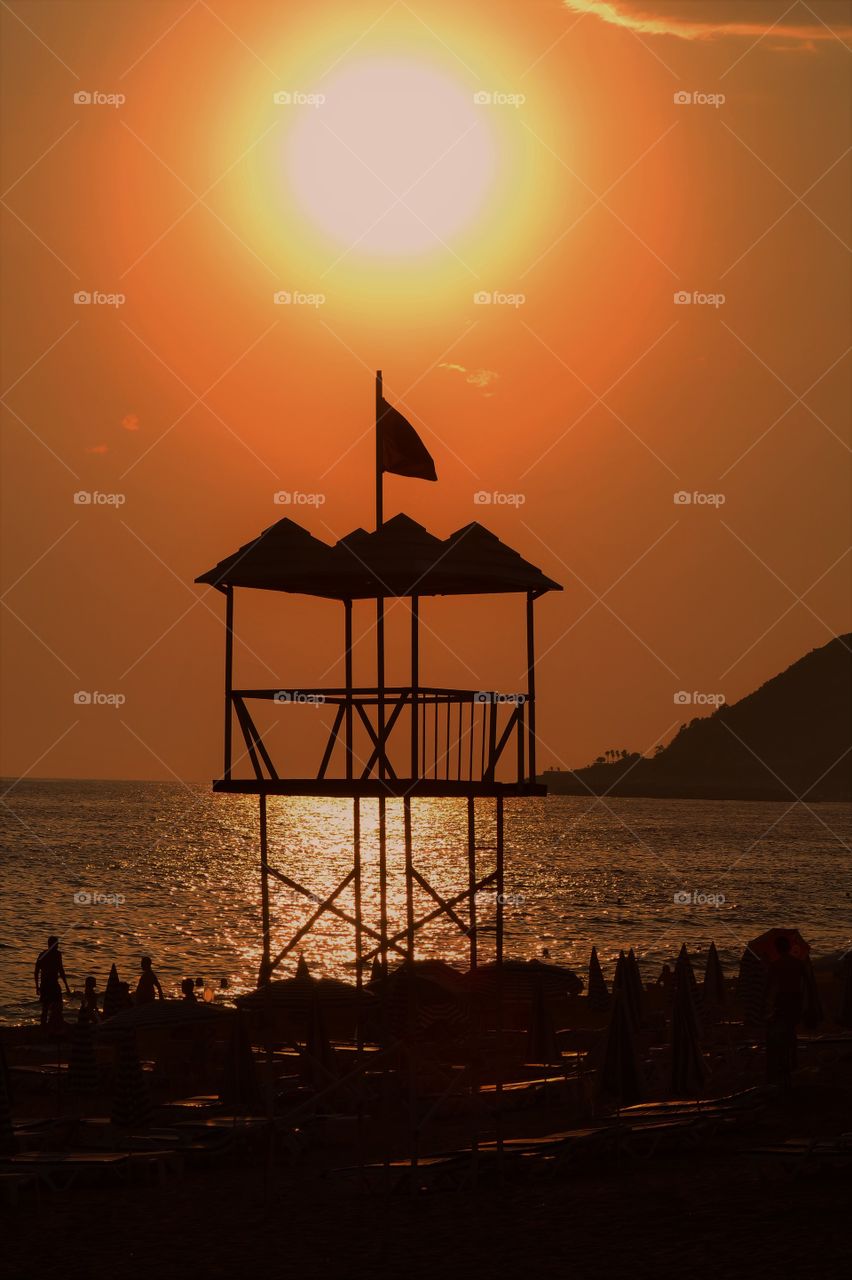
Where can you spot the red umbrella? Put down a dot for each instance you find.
(765, 948)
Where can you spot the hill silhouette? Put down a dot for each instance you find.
(791, 737)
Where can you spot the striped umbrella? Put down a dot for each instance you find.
(688, 1070)
(82, 1066)
(112, 994)
(598, 992)
(542, 1042)
(131, 1103)
(714, 983)
(423, 996)
(621, 1073)
(7, 1137)
(751, 988)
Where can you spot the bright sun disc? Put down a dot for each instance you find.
(395, 161)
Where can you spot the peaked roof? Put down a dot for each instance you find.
(402, 558)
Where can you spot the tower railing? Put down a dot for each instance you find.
(440, 739)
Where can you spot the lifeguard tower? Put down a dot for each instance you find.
(387, 742)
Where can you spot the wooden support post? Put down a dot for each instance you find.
(498, 956)
(531, 684)
(347, 640)
(229, 675)
(409, 877)
(265, 968)
(356, 866)
(471, 876)
(383, 885)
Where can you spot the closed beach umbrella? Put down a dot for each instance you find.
(751, 987)
(82, 1067)
(598, 992)
(684, 971)
(302, 970)
(131, 1104)
(623, 983)
(318, 1060)
(845, 1017)
(240, 1086)
(112, 994)
(542, 1042)
(688, 1070)
(621, 1074)
(714, 982)
(684, 976)
(7, 1137)
(637, 987)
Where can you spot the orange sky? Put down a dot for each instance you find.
(596, 398)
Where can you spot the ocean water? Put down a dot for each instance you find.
(121, 869)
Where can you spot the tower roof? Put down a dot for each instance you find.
(400, 559)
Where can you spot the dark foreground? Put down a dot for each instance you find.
(718, 1211)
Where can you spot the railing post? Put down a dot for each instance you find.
(531, 683)
(415, 686)
(347, 615)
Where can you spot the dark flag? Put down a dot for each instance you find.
(403, 452)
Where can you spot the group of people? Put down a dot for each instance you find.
(50, 973)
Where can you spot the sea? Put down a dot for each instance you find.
(124, 869)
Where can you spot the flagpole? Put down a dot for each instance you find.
(380, 690)
(379, 449)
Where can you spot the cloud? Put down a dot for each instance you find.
(98, 448)
(476, 377)
(130, 422)
(633, 17)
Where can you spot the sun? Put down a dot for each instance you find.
(390, 158)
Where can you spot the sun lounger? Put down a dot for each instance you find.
(61, 1169)
(12, 1184)
(799, 1157)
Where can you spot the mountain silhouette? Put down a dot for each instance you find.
(791, 738)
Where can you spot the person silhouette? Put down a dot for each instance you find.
(89, 1002)
(188, 989)
(48, 971)
(148, 987)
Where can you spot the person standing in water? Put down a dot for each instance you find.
(148, 987)
(48, 972)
